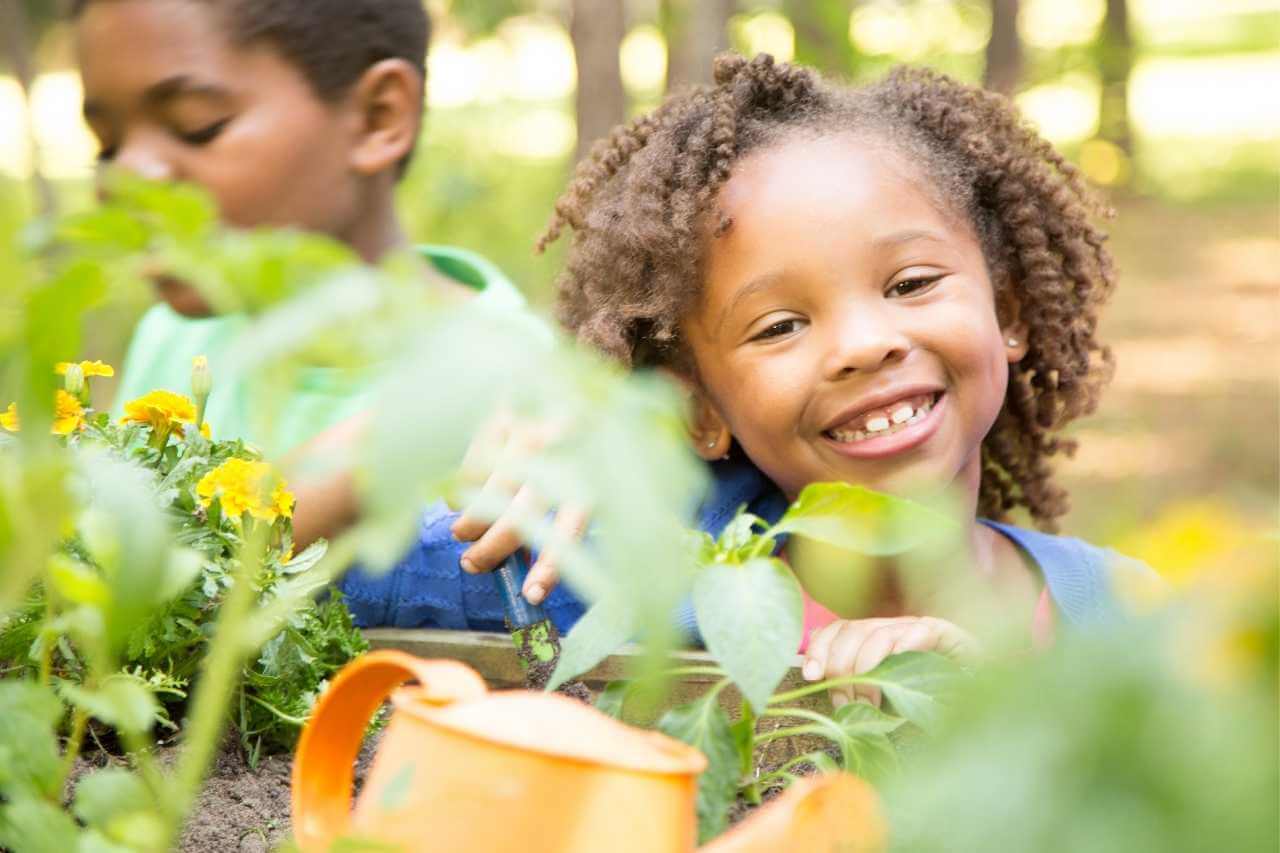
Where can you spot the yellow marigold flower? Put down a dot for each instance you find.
(9, 419)
(241, 486)
(68, 414)
(163, 411)
(90, 368)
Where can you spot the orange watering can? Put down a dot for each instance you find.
(461, 768)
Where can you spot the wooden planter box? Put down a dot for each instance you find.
(494, 657)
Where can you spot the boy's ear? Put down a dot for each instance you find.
(388, 98)
(707, 429)
(1013, 332)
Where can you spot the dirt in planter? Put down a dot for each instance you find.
(538, 672)
(240, 808)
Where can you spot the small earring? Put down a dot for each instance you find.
(1013, 342)
(710, 444)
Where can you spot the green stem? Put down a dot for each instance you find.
(817, 687)
(79, 723)
(280, 715)
(789, 731)
(779, 773)
(217, 681)
(679, 671)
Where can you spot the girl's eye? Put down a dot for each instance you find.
(912, 286)
(205, 135)
(106, 154)
(778, 329)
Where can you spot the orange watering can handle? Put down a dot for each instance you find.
(324, 764)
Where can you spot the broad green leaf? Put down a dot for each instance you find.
(29, 755)
(704, 725)
(105, 796)
(871, 754)
(751, 617)
(122, 701)
(126, 532)
(78, 583)
(32, 825)
(917, 685)
(600, 631)
(861, 520)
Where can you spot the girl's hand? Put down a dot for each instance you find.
(857, 646)
(503, 445)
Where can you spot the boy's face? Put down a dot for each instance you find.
(171, 98)
(847, 329)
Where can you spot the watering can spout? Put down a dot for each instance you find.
(461, 768)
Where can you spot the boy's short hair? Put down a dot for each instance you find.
(332, 42)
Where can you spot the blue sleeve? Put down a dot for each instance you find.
(428, 589)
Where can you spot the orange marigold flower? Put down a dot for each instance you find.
(90, 368)
(241, 486)
(68, 414)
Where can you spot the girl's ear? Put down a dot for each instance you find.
(1012, 330)
(707, 429)
(388, 101)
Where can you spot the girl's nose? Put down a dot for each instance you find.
(864, 339)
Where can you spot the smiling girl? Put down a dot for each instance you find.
(895, 286)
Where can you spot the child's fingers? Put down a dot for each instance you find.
(570, 524)
(485, 449)
(481, 513)
(503, 537)
(815, 662)
(953, 641)
(911, 635)
(842, 653)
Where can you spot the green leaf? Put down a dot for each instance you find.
(29, 756)
(310, 556)
(123, 701)
(917, 685)
(870, 753)
(76, 582)
(751, 617)
(32, 825)
(612, 698)
(704, 725)
(861, 520)
(105, 796)
(599, 633)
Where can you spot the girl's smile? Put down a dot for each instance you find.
(847, 326)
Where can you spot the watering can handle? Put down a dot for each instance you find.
(324, 764)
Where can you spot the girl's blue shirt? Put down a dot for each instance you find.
(428, 589)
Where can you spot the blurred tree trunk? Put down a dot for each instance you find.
(597, 28)
(1004, 48)
(1115, 62)
(822, 34)
(696, 30)
(16, 33)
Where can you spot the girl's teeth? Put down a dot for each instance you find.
(898, 420)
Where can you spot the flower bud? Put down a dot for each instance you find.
(201, 378)
(73, 380)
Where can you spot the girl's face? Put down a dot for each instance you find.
(847, 328)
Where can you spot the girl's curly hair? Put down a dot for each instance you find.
(643, 205)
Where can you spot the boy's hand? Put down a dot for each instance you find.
(857, 646)
(499, 447)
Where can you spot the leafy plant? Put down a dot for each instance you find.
(749, 611)
(176, 468)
